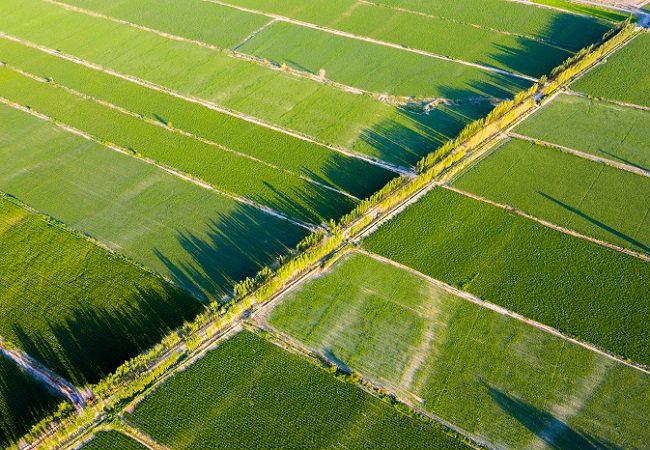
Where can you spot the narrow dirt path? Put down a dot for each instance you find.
(608, 100)
(135, 433)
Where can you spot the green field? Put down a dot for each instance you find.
(625, 77)
(61, 303)
(508, 383)
(594, 11)
(377, 68)
(575, 193)
(202, 240)
(541, 273)
(251, 394)
(24, 401)
(599, 128)
(228, 172)
(360, 123)
(112, 440)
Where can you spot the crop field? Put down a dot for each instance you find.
(196, 237)
(575, 193)
(277, 400)
(60, 305)
(599, 128)
(500, 379)
(112, 440)
(551, 277)
(594, 11)
(624, 77)
(24, 401)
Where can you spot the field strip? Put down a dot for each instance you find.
(501, 310)
(37, 370)
(460, 22)
(210, 105)
(565, 11)
(607, 100)
(233, 53)
(254, 33)
(550, 224)
(602, 60)
(135, 433)
(589, 156)
(169, 170)
(373, 41)
(176, 130)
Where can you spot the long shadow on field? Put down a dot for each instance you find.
(555, 433)
(624, 161)
(598, 223)
(92, 342)
(24, 401)
(530, 58)
(230, 249)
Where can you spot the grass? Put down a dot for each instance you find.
(541, 273)
(24, 401)
(594, 11)
(393, 71)
(226, 171)
(497, 378)
(251, 394)
(112, 440)
(202, 240)
(575, 193)
(337, 117)
(625, 77)
(60, 304)
(599, 128)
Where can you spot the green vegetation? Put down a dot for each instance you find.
(112, 440)
(24, 401)
(541, 273)
(624, 77)
(60, 302)
(201, 240)
(594, 11)
(599, 128)
(575, 193)
(228, 172)
(251, 394)
(494, 376)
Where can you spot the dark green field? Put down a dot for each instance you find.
(251, 394)
(541, 273)
(112, 440)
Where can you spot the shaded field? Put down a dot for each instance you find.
(570, 191)
(594, 11)
(360, 123)
(507, 382)
(625, 76)
(230, 173)
(277, 400)
(599, 128)
(75, 307)
(538, 272)
(112, 440)
(24, 401)
(377, 68)
(306, 158)
(203, 241)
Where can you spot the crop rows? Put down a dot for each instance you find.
(251, 394)
(492, 375)
(538, 272)
(112, 440)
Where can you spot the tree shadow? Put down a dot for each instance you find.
(555, 433)
(622, 160)
(530, 58)
(598, 223)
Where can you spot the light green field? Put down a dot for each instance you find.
(625, 77)
(24, 401)
(540, 273)
(360, 123)
(503, 381)
(249, 393)
(594, 11)
(600, 128)
(112, 440)
(202, 240)
(60, 300)
(377, 68)
(570, 191)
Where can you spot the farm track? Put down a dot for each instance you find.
(373, 41)
(608, 100)
(130, 430)
(170, 170)
(210, 105)
(177, 130)
(550, 224)
(580, 154)
(565, 11)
